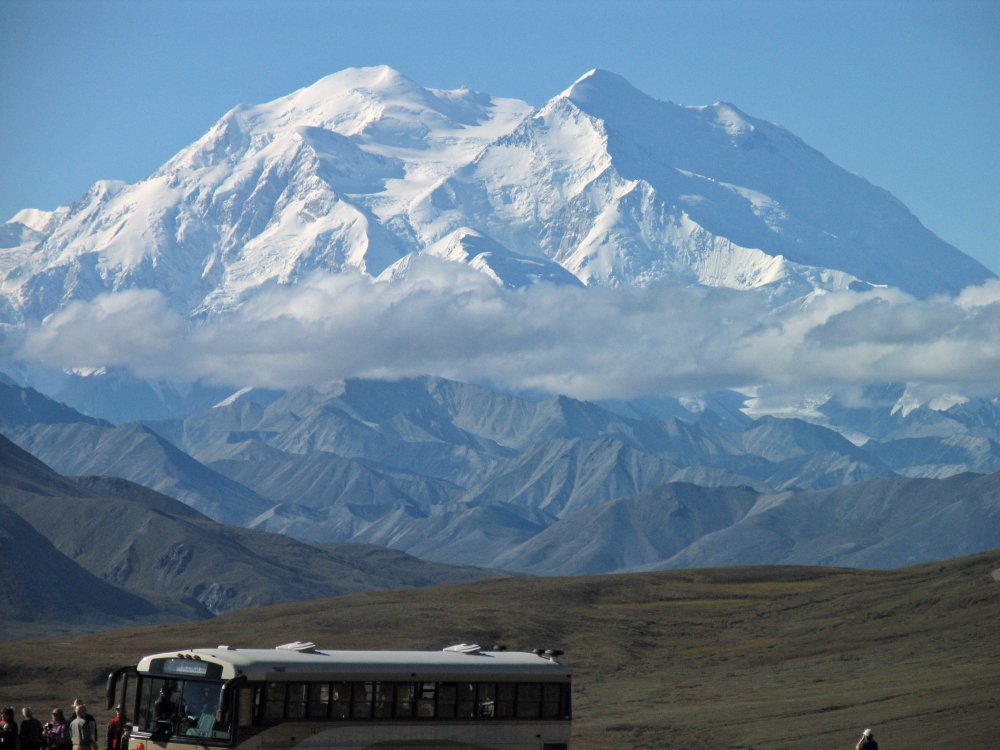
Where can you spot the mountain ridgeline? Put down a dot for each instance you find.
(464, 475)
(367, 171)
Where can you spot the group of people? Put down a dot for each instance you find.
(80, 733)
(77, 733)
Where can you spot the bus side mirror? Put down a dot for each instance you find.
(226, 697)
(112, 685)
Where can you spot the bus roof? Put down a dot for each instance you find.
(287, 663)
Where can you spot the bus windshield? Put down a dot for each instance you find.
(181, 708)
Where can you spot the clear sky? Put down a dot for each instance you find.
(903, 92)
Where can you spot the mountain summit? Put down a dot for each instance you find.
(366, 169)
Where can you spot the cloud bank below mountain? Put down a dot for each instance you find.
(586, 343)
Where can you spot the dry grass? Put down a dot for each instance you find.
(733, 658)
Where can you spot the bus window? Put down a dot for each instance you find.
(319, 700)
(466, 704)
(505, 699)
(249, 706)
(128, 699)
(274, 709)
(446, 696)
(295, 700)
(405, 693)
(201, 704)
(180, 707)
(425, 701)
(160, 706)
(552, 700)
(342, 700)
(529, 700)
(361, 702)
(487, 700)
(383, 700)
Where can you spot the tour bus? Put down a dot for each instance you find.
(297, 696)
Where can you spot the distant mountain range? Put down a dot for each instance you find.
(367, 171)
(95, 552)
(464, 475)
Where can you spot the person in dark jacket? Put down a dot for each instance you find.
(8, 730)
(31, 731)
(867, 741)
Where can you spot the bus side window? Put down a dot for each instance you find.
(425, 701)
(447, 694)
(142, 718)
(466, 706)
(505, 699)
(529, 700)
(487, 700)
(405, 692)
(246, 707)
(319, 700)
(383, 700)
(552, 700)
(295, 700)
(275, 707)
(342, 700)
(361, 704)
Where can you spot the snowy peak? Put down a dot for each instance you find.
(732, 120)
(603, 184)
(33, 218)
(599, 87)
(759, 187)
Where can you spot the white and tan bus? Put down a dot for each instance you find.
(298, 696)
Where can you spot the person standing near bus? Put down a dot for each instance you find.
(8, 730)
(81, 730)
(56, 732)
(114, 731)
(31, 731)
(87, 715)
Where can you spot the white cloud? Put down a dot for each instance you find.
(588, 343)
(133, 329)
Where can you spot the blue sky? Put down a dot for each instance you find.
(903, 93)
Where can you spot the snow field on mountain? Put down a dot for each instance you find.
(716, 249)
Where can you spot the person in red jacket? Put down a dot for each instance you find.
(114, 734)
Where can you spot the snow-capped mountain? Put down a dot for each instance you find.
(365, 170)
